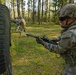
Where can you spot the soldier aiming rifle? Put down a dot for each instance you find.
(66, 45)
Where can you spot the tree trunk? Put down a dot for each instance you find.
(46, 10)
(33, 11)
(13, 10)
(42, 10)
(22, 7)
(71, 1)
(18, 7)
(39, 11)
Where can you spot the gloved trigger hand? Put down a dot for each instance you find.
(40, 41)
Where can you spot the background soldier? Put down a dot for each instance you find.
(20, 24)
(66, 46)
(16, 21)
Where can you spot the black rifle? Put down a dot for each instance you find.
(43, 38)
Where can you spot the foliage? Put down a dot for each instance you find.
(36, 10)
(30, 58)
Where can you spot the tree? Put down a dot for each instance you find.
(28, 9)
(49, 10)
(42, 10)
(18, 7)
(34, 11)
(13, 5)
(22, 7)
(39, 3)
(46, 9)
(71, 1)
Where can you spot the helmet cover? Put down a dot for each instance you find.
(68, 10)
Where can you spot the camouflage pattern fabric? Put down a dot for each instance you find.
(69, 70)
(71, 11)
(66, 47)
(23, 24)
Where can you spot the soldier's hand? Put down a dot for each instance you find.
(40, 41)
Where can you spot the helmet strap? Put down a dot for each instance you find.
(66, 21)
(68, 25)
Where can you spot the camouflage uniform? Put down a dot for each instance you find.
(66, 46)
(23, 24)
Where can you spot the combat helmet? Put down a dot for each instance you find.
(68, 10)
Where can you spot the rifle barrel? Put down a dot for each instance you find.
(31, 35)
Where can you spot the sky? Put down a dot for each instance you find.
(74, 0)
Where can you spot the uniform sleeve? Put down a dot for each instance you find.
(58, 38)
(66, 42)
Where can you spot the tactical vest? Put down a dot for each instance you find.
(70, 55)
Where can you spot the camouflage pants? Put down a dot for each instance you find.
(69, 70)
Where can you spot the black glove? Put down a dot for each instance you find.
(49, 41)
(40, 41)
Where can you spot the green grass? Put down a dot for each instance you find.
(30, 58)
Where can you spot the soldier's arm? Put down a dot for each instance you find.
(57, 39)
(66, 42)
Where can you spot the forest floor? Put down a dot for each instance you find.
(30, 58)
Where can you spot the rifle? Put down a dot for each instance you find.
(43, 38)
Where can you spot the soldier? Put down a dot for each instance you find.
(23, 24)
(16, 21)
(66, 45)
